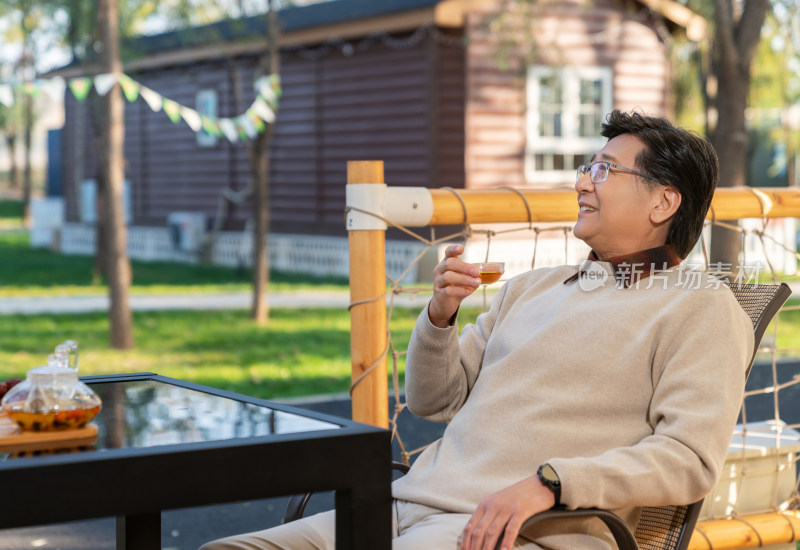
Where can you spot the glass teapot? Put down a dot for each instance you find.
(51, 397)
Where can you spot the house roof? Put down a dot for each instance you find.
(292, 20)
(318, 22)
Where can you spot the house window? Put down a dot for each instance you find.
(206, 105)
(566, 107)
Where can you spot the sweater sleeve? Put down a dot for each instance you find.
(442, 368)
(698, 376)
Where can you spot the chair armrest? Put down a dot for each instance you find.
(621, 532)
(296, 506)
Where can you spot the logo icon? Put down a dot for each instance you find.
(591, 276)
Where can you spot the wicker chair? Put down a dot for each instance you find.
(660, 527)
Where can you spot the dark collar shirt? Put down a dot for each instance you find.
(632, 268)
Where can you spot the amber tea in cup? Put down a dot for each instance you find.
(490, 271)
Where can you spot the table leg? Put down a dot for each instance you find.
(365, 522)
(139, 532)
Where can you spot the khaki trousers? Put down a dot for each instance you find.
(414, 527)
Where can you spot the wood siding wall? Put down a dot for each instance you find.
(401, 105)
(567, 33)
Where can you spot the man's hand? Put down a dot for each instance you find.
(453, 280)
(500, 516)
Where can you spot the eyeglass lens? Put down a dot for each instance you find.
(597, 171)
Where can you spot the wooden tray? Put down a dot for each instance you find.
(14, 440)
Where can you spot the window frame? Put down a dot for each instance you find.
(569, 142)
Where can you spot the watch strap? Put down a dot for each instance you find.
(549, 478)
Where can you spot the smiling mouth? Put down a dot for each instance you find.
(588, 209)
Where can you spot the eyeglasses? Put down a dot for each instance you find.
(599, 171)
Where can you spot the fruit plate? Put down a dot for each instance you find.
(15, 440)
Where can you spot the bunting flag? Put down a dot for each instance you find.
(54, 88)
(228, 128)
(263, 111)
(210, 126)
(30, 89)
(192, 118)
(129, 87)
(172, 109)
(153, 99)
(80, 87)
(245, 126)
(7, 95)
(104, 82)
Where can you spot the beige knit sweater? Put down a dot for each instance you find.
(631, 394)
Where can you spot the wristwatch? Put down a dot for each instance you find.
(549, 478)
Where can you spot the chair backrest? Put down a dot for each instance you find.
(671, 527)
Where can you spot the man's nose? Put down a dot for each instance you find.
(584, 183)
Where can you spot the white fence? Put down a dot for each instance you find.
(327, 256)
(317, 255)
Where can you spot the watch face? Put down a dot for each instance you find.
(550, 474)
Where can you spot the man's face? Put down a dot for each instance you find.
(615, 215)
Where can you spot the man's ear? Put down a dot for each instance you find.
(668, 200)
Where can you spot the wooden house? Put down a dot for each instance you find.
(458, 93)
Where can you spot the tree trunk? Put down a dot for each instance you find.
(27, 183)
(260, 307)
(13, 175)
(111, 148)
(735, 41)
(259, 160)
(730, 141)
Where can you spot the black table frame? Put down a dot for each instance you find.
(136, 484)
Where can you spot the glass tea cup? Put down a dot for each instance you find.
(490, 272)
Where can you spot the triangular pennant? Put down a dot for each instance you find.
(263, 88)
(80, 87)
(54, 88)
(172, 109)
(129, 87)
(246, 124)
(7, 95)
(32, 89)
(275, 80)
(255, 120)
(152, 98)
(192, 118)
(228, 128)
(104, 82)
(240, 129)
(210, 126)
(262, 111)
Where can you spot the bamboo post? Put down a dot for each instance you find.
(368, 336)
(747, 532)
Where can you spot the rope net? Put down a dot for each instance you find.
(764, 451)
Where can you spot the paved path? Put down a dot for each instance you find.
(227, 300)
(205, 301)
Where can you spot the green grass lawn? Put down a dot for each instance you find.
(301, 352)
(788, 335)
(11, 211)
(26, 271)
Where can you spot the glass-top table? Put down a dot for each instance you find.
(164, 444)
(149, 413)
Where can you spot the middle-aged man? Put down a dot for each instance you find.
(615, 384)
